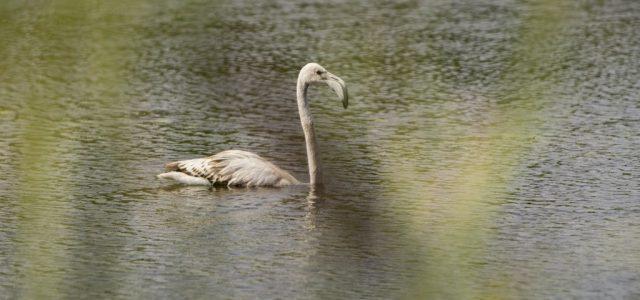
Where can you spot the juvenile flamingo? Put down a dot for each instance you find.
(242, 168)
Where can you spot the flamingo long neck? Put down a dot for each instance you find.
(315, 171)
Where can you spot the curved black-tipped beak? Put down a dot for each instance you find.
(339, 87)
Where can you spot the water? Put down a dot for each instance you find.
(490, 149)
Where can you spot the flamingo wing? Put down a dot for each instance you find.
(231, 168)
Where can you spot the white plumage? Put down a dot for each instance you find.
(231, 168)
(242, 168)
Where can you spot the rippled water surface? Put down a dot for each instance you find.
(490, 149)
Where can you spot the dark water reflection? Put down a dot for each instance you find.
(490, 150)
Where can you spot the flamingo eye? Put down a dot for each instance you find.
(319, 72)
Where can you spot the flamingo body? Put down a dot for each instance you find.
(230, 168)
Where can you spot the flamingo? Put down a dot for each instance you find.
(246, 169)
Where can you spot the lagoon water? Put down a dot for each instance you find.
(490, 149)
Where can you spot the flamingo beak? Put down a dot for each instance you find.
(339, 87)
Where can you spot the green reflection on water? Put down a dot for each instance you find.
(69, 57)
(459, 213)
(57, 50)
